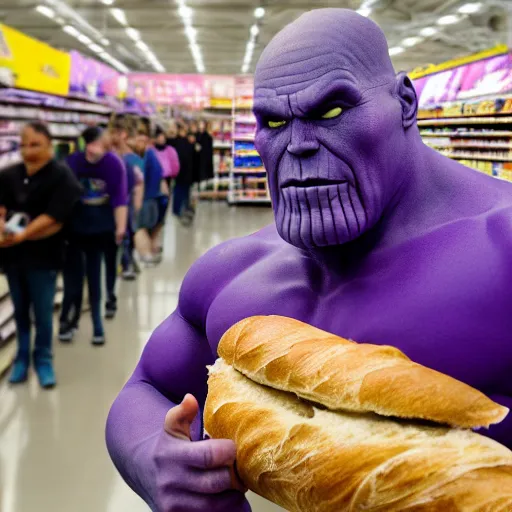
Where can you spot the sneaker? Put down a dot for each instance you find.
(66, 334)
(111, 309)
(98, 340)
(129, 275)
(45, 374)
(19, 372)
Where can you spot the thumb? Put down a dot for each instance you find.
(178, 419)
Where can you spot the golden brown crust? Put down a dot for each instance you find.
(311, 460)
(286, 354)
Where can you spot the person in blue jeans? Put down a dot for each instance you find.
(36, 199)
(99, 219)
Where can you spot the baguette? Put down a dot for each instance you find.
(311, 460)
(342, 375)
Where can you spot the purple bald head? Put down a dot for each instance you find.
(334, 127)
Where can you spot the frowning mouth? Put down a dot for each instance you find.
(311, 182)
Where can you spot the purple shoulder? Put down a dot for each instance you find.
(212, 272)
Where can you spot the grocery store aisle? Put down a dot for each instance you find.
(52, 452)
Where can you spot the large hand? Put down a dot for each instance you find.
(194, 476)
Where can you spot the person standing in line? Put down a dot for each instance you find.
(184, 180)
(123, 131)
(41, 192)
(205, 141)
(168, 158)
(100, 218)
(148, 218)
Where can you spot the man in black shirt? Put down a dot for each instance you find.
(45, 192)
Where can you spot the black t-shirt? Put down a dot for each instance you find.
(53, 191)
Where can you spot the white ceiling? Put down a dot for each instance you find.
(223, 28)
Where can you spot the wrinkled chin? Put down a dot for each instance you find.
(311, 217)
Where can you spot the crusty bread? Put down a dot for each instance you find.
(311, 460)
(286, 354)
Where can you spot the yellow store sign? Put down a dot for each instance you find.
(33, 64)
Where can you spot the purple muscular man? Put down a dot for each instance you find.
(377, 238)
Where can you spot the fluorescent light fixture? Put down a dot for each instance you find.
(96, 48)
(364, 11)
(470, 8)
(450, 19)
(84, 39)
(428, 31)
(105, 42)
(107, 2)
(255, 30)
(245, 68)
(45, 11)
(72, 31)
(408, 42)
(132, 33)
(250, 46)
(60, 20)
(119, 16)
(185, 12)
(191, 33)
(259, 12)
(142, 46)
(396, 50)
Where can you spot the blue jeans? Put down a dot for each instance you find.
(33, 289)
(181, 199)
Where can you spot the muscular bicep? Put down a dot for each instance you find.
(175, 358)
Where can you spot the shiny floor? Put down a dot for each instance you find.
(52, 452)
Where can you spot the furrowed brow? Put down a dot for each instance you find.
(319, 94)
(271, 107)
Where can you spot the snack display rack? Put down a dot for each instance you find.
(248, 179)
(476, 132)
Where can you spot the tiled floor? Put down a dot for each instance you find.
(52, 452)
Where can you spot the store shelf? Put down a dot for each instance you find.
(244, 138)
(247, 170)
(465, 121)
(473, 156)
(471, 145)
(221, 145)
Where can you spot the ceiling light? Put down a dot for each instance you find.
(191, 33)
(60, 20)
(133, 34)
(259, 12)
(119, 15)
(105, 41)
(411, 41)
(185, 12)
(428, 31)
(255, 30)
(470, 8)
(396, 50)
(364, 11)
(107, 2)
(142, 46)
(45, 11)
(84, 39)
(72, 31)
(450, 19)
(245, 68)
(96, 48)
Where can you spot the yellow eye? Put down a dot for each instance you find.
(334, 112)
(276, 124)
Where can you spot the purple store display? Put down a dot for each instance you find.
(377, 238)
(91, 78)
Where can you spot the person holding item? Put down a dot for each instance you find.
(123, 131)
(44, 193)
(377, 238)
(101, 216)
(148, 217)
